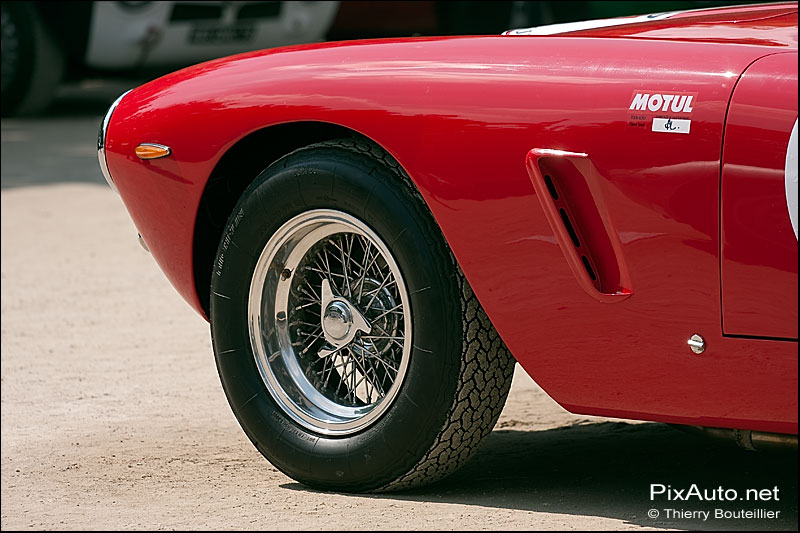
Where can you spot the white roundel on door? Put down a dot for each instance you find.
(791, 177)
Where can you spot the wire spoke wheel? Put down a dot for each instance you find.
(330, 322)
(328, 264)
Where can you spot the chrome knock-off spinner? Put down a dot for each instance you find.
(341, 320)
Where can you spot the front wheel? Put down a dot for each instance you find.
(350, 346)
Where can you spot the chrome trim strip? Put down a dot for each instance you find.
(101, 141)
(141, 241)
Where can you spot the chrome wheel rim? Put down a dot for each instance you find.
(330, 322)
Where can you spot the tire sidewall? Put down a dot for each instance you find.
(334, 178)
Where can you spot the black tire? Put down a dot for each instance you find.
(32, 62)
(459, 370)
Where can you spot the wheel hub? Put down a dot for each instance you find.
(337, 320)
(340, 320)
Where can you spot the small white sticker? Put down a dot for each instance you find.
(671, 125)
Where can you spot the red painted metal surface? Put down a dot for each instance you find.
(461, 115)
(759, 247)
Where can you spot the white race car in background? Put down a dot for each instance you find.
(43, 41)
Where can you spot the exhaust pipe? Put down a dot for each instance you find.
(747, 439)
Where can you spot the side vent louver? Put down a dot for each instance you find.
(568, 189)
(570, 229)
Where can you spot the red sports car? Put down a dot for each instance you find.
(378, 230)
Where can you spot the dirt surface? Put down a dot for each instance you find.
(113, 416)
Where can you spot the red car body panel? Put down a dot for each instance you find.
(462, 115)
(759, 248)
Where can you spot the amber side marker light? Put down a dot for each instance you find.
(152, 151)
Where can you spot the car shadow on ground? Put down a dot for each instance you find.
(606, 469)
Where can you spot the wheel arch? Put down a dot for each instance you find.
(237, 169)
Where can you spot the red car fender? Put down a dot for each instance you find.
(461, 116)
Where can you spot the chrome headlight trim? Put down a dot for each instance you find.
(101, 141)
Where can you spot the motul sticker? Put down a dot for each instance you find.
(665, 112)
(672, 103)
(671, 125)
